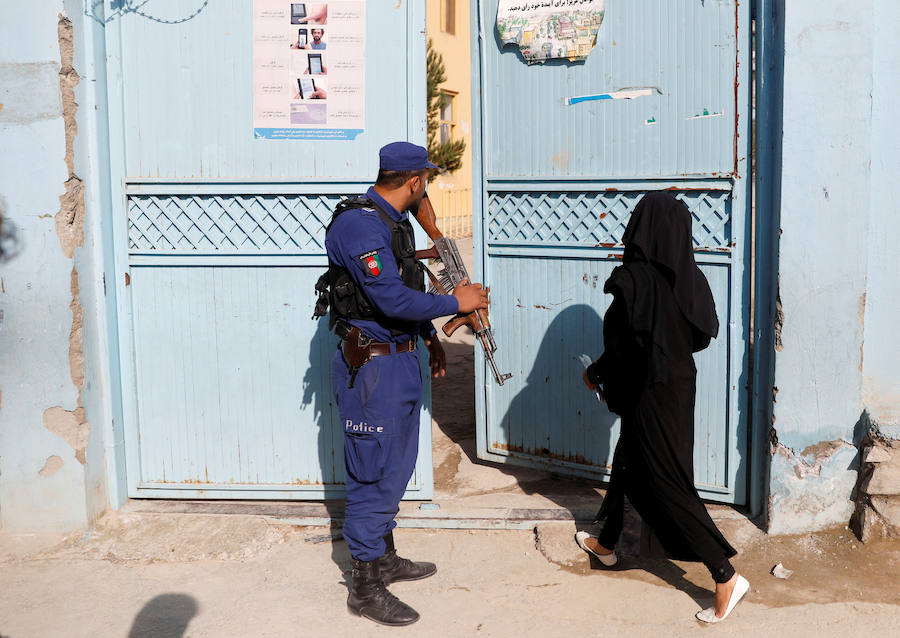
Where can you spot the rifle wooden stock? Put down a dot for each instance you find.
(428, 253)
(477, 321)
(427, 219)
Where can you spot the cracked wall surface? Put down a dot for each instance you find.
(43, 428)
(835, 337)
(70, 218)
(811, 490)
(72, 425)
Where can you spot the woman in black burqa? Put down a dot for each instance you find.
(662, 312)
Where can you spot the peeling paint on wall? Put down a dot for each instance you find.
(70, 218)
(779, 317)
(71, 426)
(805, 487)
(51, 467)
(76, 350)
(810, 461)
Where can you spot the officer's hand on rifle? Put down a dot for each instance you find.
(470, 297)
(436, 357)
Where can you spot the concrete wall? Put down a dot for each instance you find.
(52, 461)
(61, 450)
(835, 257)
(881, 369)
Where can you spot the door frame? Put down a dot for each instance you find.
(751, 370)
(124, 470)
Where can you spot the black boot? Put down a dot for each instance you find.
(370, 599)
(393, 568)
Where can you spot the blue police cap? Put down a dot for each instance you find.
(403, 156)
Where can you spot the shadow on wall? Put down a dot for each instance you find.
(555, 416)
(10, 244)
(166, 616)
(554, 395)
(317, 392)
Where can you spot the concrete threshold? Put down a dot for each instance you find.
(413, 514)
(418, 515)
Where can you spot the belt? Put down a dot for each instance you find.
(359, 349)
(377, 348)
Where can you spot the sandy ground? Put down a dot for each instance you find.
(167, 575)
(144, 573)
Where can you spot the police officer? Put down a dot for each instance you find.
(379, 309)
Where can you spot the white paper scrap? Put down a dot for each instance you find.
(779, 571)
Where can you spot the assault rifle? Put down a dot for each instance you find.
(452, 273)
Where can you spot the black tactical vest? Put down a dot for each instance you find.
(346, 299)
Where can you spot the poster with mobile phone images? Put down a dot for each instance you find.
(309, 69)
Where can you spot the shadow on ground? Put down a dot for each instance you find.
(166, 616)
(579, 497)
(456, 420)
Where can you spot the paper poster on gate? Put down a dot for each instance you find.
(550, 29)
(309, 80)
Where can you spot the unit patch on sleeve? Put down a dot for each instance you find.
(372, 262)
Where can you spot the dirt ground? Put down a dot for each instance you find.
(176, 569)
(829, 566)
(164, 575)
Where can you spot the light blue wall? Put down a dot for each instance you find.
(881, 369)
(105, 478)
(838, 265)
(38, 338)
(835, 290)
(35, 291)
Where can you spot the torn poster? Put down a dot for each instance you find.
(550, 29)
(615, 95)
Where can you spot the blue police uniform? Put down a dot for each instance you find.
(380, 412)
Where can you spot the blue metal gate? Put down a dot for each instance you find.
(219, 238)
(558, 182)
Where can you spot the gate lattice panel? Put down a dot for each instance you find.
(243, 224)
(595, 218)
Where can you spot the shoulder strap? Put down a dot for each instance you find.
(352, 203)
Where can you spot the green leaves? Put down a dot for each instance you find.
(447, 155)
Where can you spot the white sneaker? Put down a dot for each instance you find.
(741, 587)
(607, 559)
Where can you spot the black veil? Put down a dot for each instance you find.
(659, 231)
